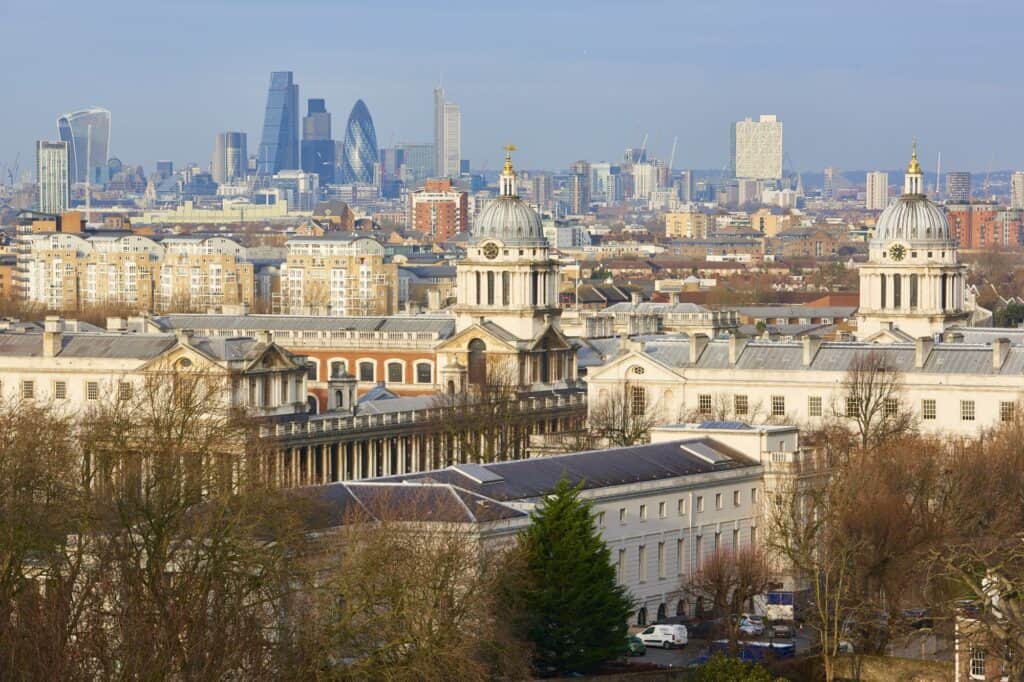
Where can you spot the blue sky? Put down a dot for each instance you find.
(853, 82)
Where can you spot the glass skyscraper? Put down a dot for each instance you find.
(279, 148)
(230, 158)
(87, 134)
(359, 157)
(317, 146)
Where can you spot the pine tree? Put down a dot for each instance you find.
(570, 607)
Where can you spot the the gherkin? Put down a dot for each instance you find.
(359, 157)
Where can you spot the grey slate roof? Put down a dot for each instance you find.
(532, 478)
(443, 325)
(655, 308)
(89, 345)
(774, 311)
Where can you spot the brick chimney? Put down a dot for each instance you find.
(53, 336)
(1000, 349)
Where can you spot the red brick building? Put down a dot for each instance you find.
(983, 226)
(439, 210)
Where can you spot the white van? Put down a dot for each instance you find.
(665, 636)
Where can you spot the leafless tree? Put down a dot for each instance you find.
(624, 416)
(730, 579)
(872, 398)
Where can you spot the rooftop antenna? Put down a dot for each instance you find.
(938, 177)
(643, 150)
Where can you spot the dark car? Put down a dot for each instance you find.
(708, 628)
(635, 646)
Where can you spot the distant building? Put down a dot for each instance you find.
(439, 210)
(318, 149)
(447, 136)
(52, 171)
(982, 226)
(230, 158)
(360, 156)
(877, 191)
(605, 183)
(645, 179)
(757, 148)
(279, 148)
(828, 187)
(579, 188)
(1017, 190)
(958, 187)
(87, 134)
(687, 224)
(164, 169)
(418, 160)
(684, 186)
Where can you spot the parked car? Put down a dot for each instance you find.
(635, 646)
(705, 629)
(918, 618)
(665, 636)
(781, 629)
(752, 625)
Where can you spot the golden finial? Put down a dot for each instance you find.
(509, 148)
(914, 167)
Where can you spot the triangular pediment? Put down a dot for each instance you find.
(489, 333)
(622, 366)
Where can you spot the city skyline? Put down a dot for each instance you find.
(575, 93)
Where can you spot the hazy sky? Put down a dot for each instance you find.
(853, 82)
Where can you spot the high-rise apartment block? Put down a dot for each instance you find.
(828, 183)
(447, 136)
(645, 179)
(958, 187)
(579, 188)
(757, 148)
(87, 134)
(279, 148)
(340, 274)
(318, 149)
(52, 170)
(983, 226)
(688, 224)
(439, 210)
(1017, 190)
(684, 186)
(605, 182)
(230, 158)
(876, 196)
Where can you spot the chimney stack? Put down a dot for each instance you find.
(184, 335)
(53, 336)
(736, 345)
(1000, 349)
(811, 347)
(698, 342)
(922, 349)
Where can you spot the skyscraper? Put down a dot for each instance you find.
(877, 195)
(230, 158)
(359, 159)
(958, 187)
(52, 168)
(828, 187)
(579, 188)
(87, 134)
(317, 145)
(447, 136)
(279, 148)
(419, 160)
(1017, 190)
(757, 148)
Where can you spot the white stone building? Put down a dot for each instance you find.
(757, 148)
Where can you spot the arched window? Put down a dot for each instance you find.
(661, 611)
(490, 287)
(312, 369)
(396, 373)
(337, 368)
(680, 608)
(641, 616)
(312, 404)
(638, 400)
(424, 373)
(506, 288)
(477, 362)
(366, 370)
(339, 398)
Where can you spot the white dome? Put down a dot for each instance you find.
(914, 219)
(510, 220)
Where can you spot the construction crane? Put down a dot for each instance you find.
(672, 157)
(643, 150)
(12, 173)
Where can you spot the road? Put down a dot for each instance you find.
(678, 658)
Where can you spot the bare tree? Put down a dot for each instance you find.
(624, 416)
(730, 579)
(872, 398)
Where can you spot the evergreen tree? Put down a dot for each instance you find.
(570, 608)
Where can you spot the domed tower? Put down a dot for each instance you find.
(913, 282)
(507, 276)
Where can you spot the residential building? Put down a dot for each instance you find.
(690, 223)
(983, 226)
(318, 149)
(1017, 190)
(876, 196)
(338, 274)
(447, 136)
(645, 179)
(360, 156)
(684, 186)
(605, 183)
(958, 187)
(439, 210)
(279, 148)
(230, 158)
(87, 134)
(757, 148)
(828, 187)
(579, 188)
(52, 169)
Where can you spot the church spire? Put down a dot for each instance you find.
(913, 180)
(508, 174)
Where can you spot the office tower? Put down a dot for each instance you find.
(230, 158)
(645, 179)
(439, 209)
(684, 185)
(419, 160)
(605, 182)
(958, 187)
(464, 167)
(317, 146)
(164, 169)
(1017, 190)
(876, 196)
(87, 133)
(359, 159)
(447, 136)
(541, 190)
(757, 148)
(747, 192)
(579, 188)
(828, 188)
(52, 172)
(279, 148)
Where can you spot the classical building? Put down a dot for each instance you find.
(913, 281)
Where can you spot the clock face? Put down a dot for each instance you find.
(897, 252)
(491, 250)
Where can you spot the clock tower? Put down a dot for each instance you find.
(913, 283)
